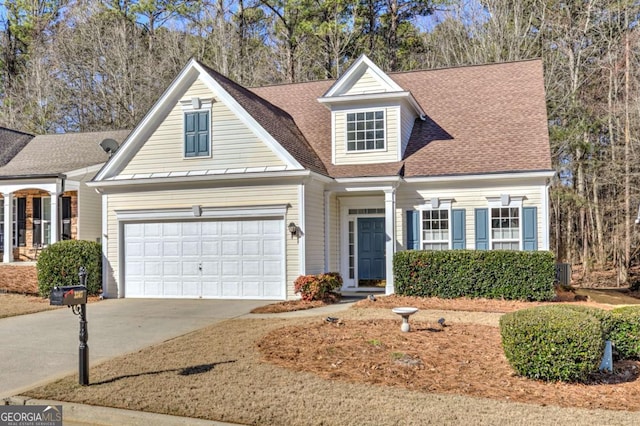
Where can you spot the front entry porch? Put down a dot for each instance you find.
(33, 218)
(366, 241)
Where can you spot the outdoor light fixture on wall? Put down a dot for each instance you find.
(293, 229)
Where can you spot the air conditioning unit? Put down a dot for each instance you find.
(563, 273)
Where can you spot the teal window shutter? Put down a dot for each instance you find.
(458, 231)
(413, 230)
(196, 134)
(482, 229)
(530, 228)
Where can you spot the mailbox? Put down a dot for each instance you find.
(68, 295)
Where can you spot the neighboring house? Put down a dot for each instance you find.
(227, 192)
(44, 192)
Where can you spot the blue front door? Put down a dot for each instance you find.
(371, 247)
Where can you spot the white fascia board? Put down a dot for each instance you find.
(367, 97)
(384, 183)
(149, 122)
(369, 180)
(214, 178)
(186, 213)
(84, 171)
(545, 174)
(373, 98)
(248, 120)
(362, 63)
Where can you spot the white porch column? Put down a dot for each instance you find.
(7, 255)
(390, 231)
(54, 217)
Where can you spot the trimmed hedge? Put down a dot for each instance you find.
(552, 343)
(493, 274)
(59, 263)
(625, 331)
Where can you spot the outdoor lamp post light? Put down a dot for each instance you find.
(293, 229)
(83, 352)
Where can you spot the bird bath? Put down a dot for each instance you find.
(405, 313)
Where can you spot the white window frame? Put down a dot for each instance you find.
(346, 131)
(431, 206)
(196, 105)
(505, 201)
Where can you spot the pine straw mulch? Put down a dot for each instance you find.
(289, 306)
(459, 304)
(471, 305)
(464, 359)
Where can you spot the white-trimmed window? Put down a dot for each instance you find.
(365, 131)
(435, 229)
(505, 228)
(41, 215)
(435, 225)
(197, 127)
(505, 222)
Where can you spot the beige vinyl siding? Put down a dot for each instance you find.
(367, 83)
(89, 213)
(314, 227)
(408, 118)
(469, 197)
(389, 154)
(239, 196)
(233, 144)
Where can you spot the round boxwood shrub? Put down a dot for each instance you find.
(552, 343)
(625, 331)
(602, 315)
(59, 263)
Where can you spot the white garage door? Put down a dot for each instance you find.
(239, 259)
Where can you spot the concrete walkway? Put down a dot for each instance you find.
(38, 348)
(115, 327)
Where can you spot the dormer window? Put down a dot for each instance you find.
(365, 131)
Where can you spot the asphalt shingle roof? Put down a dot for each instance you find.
(11, 142)
(60, 153)
(277, 122)
(480, 119)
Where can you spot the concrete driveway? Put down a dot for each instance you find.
(40, 347)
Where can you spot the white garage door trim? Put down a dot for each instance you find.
(247, 286)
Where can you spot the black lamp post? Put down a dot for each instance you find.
(83, 358)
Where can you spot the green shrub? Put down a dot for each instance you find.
(625, 331)
(552, 343)
(59, 263)
(600, 314)
(493, 274)
(318, 287)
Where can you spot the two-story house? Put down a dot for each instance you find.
(227, 192)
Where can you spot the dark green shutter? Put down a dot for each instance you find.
(530, 228)
(482, 229)
(413, 230)
(196, 134)
(458, 231)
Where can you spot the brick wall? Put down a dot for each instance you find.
(28, 252)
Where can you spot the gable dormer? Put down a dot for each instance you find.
(371, 116)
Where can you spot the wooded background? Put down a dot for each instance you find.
(99, 65)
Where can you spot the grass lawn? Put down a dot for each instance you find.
(17, 304)
(361, 370)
